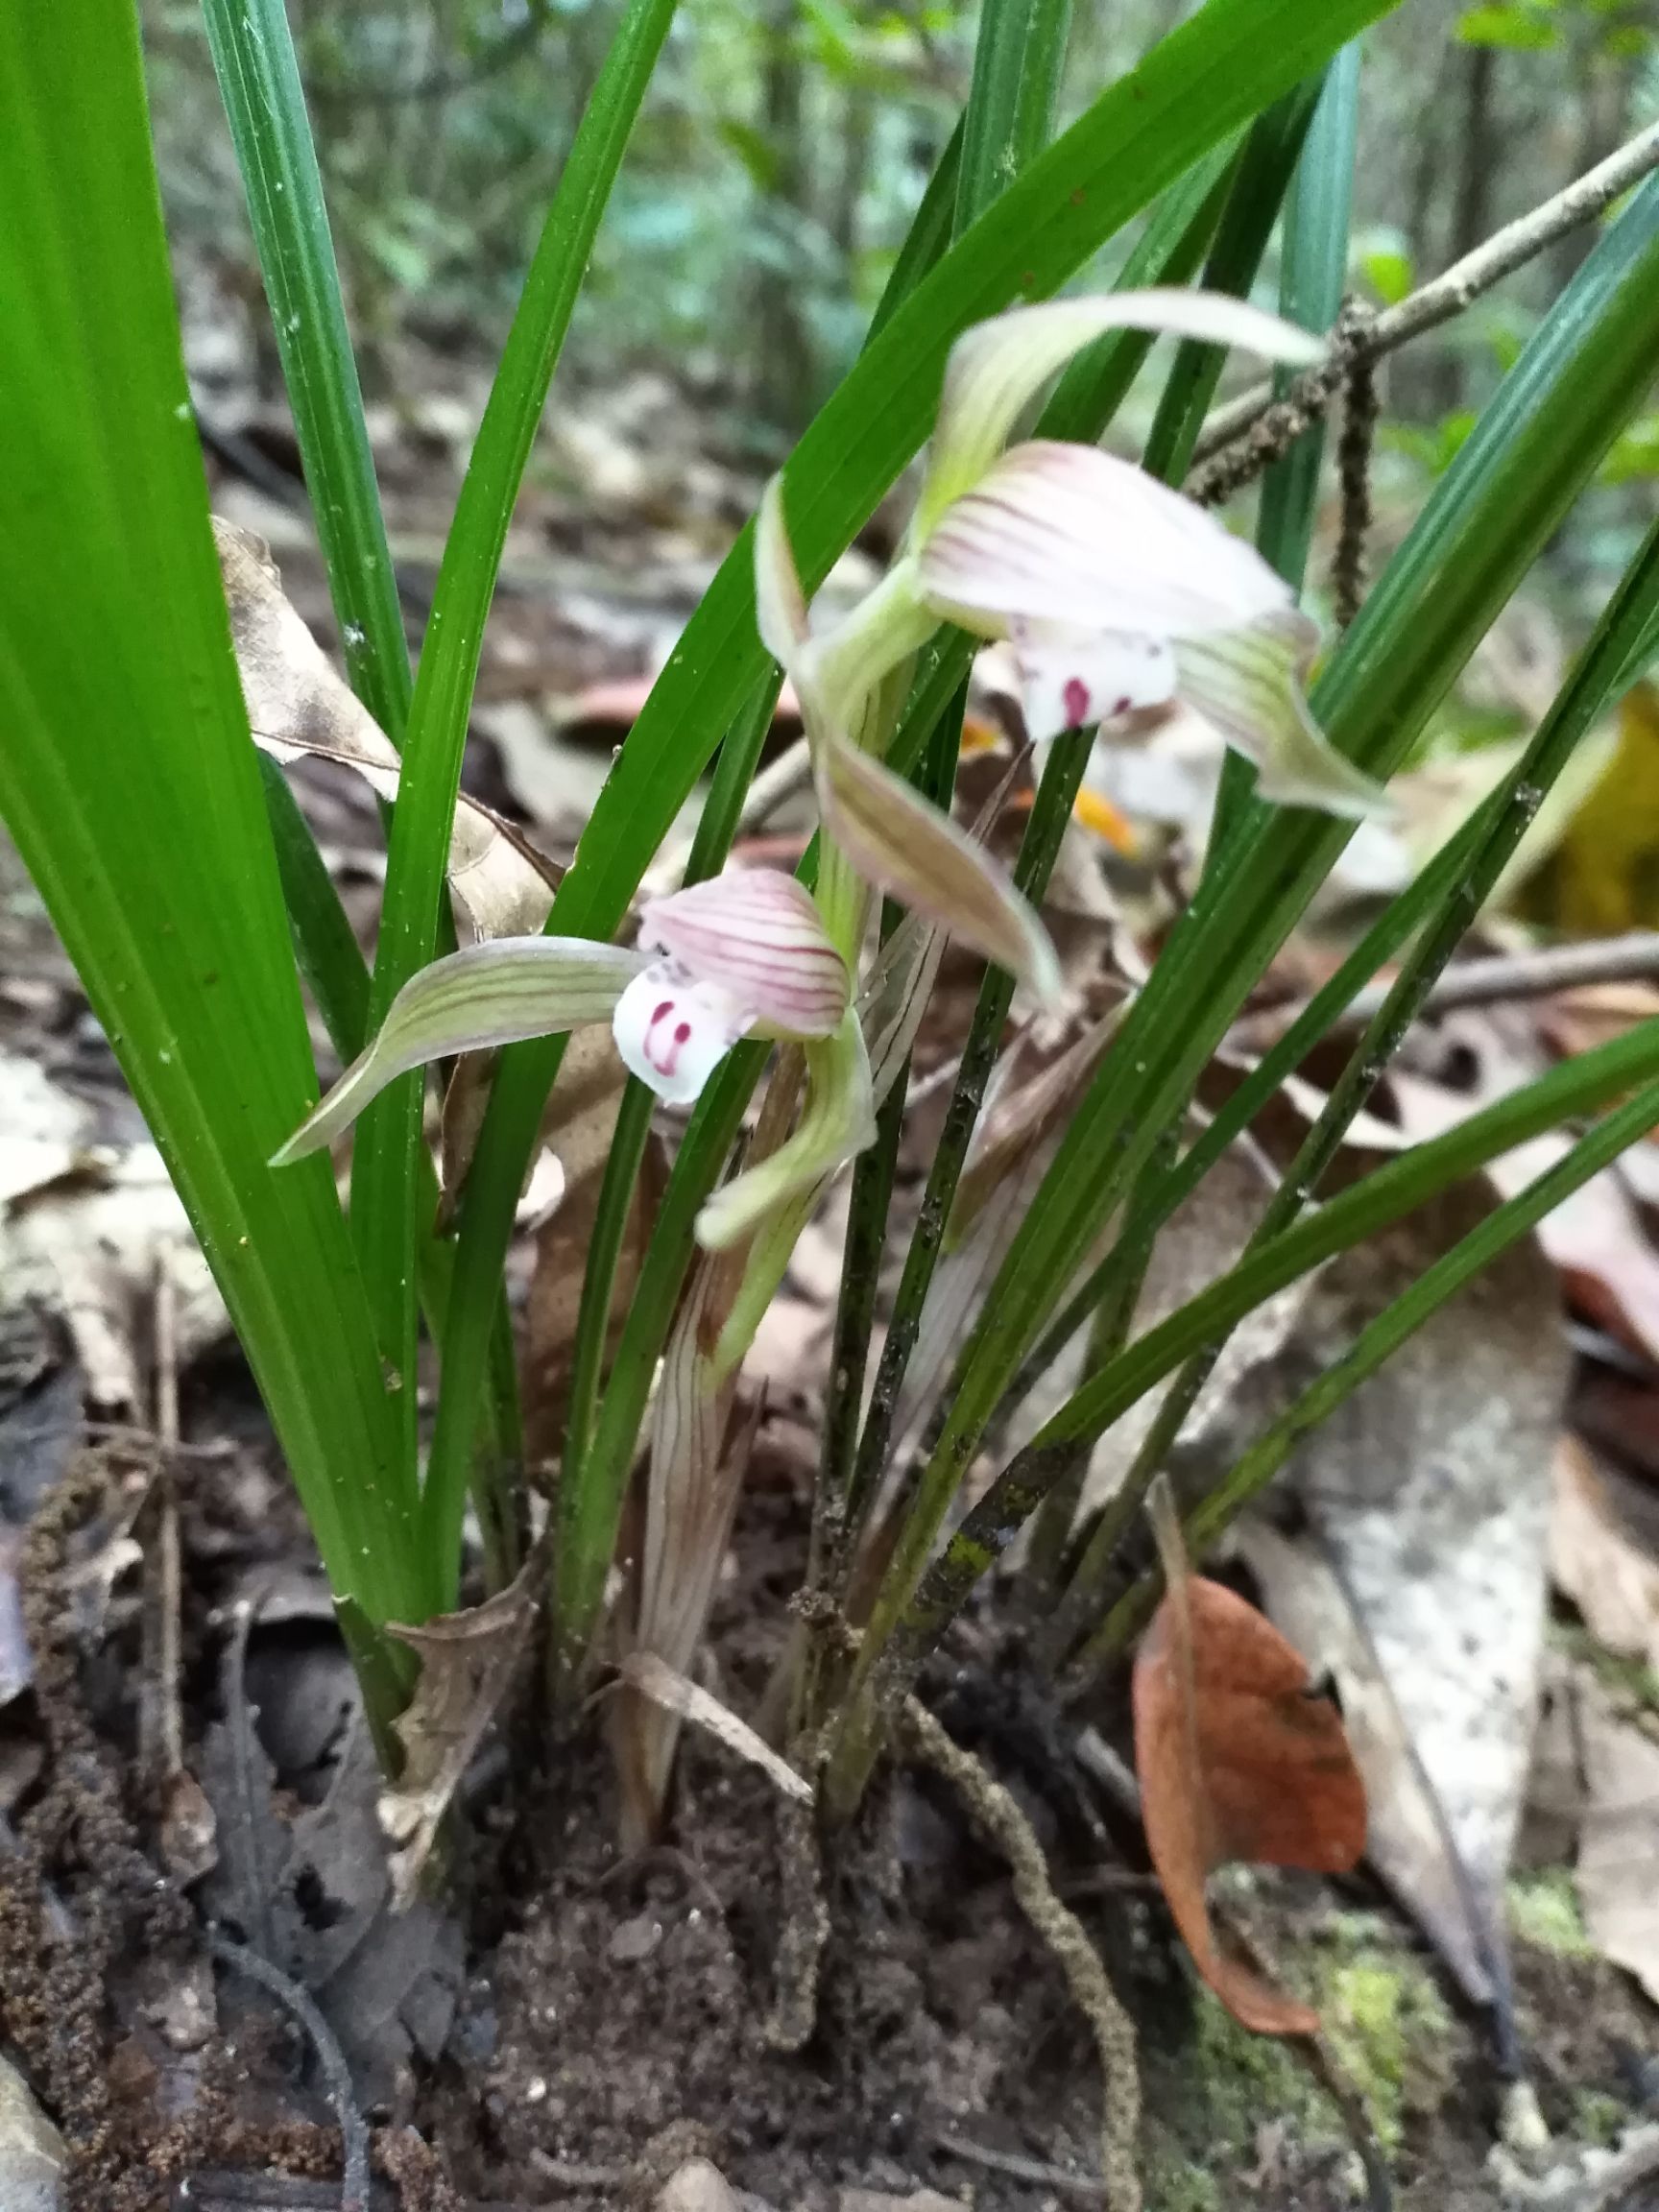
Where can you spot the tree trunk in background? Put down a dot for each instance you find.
(786, 380)
(857, 126)
(1477, 152)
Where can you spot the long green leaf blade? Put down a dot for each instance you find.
(128, 775)
(259, 83)
(389, 1140)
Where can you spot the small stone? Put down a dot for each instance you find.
(697, 2186)
(635, 1940)
(30, 2150)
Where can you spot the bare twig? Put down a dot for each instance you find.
(1032, 2170)
(1506, 976)
(997, 1817)
(780, 781)
(1449, 295)
(169, 1563)
(353, 2129)
(257, 1905)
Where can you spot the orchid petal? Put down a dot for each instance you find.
(911, 850)
(673, 1029)
(995, 369)
(1071, 677)
(838, 1121)
(1248, 685)
(485, 994)
(757, 934)
(1058, 533)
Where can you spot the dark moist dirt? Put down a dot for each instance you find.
(615, 2014)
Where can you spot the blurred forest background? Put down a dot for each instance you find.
(784, 146)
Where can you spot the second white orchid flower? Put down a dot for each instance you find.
(1113, 590)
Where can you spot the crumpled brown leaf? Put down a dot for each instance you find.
(299, 707)
(1237, 1760)
(466, 1664)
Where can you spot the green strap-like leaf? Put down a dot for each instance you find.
(127, 778)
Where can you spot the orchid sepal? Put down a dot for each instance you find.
(837, 1122)
(916, 855)
(999, 366)
(483, 995)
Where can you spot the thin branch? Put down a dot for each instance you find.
(1034, 2170)
(1506, 976)
(1449, 295)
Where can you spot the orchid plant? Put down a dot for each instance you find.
(184, 880)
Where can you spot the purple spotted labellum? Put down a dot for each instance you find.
(744, 952)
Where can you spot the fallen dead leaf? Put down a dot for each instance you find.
(1618, 1871)
(82, 1228)
(466, 1664)
(1237, 1760)
(1597, 1561)
(299, 707)
(653, 1678)
(1427, 1499)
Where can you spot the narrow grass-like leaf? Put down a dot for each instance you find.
(126, 735)
(1136, 139)
(1257, 192)
(1312, 276)
(1363, 1210)
(1019, 58)
(259, 83)
(384, 1170)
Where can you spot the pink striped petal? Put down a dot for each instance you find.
(756, 934)
(1058, 533)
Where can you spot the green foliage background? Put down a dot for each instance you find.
(785, 144)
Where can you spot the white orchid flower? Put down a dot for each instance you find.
(744, 953)
(1113, 591)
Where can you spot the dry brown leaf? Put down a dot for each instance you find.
(1618, 1834)
(299, 707)
(1427, 1493)
(1597, 1560)
(1237, 1760)
(467, 1663)
(653, 1678)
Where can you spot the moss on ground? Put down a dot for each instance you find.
(1390, 2031)
(1544, 1911)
